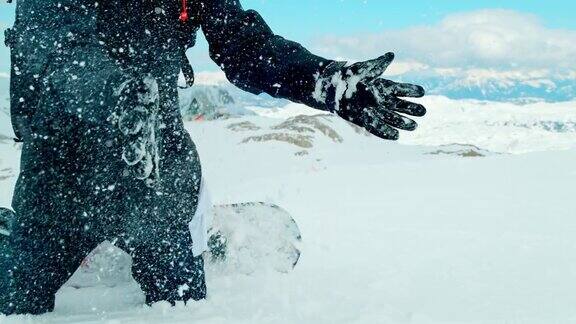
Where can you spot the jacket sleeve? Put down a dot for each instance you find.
(254, 58)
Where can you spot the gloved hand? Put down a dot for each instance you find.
(137, 119)
(358, 94)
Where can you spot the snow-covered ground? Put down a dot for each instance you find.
(497, 126)
(392, 232)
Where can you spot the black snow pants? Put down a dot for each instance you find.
(74, 189)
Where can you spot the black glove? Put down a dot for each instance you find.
(137, 119)
(358, 94)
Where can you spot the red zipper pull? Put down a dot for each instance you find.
(184, 12)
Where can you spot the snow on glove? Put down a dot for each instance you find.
(137, 120)
(358, 94)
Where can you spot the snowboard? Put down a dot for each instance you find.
(244, 238)
(252, 236)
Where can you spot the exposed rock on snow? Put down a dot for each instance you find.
(299, 130)
(243, 126)
(303, 141)
(463, 150)
(311, 124)
(553, 126)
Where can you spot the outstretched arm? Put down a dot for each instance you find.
(253, 57)
(257, 60)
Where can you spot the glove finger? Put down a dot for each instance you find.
(396, 120)
(379, 128)
(387, 100)
(143, 169)
(134, 150)
(372, 69)
(409, 108)
(132, 121)
(388, 87)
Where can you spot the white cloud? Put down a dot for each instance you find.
(486, 39)
(4, 75)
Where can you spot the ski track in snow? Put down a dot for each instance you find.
(391, 234)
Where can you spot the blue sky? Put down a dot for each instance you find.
(305, 18)
(308, 20)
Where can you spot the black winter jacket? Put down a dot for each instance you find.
(252, 56)
(147, 36)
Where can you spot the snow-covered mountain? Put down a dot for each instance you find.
(509, 86)
(213, 97)
(210, 102)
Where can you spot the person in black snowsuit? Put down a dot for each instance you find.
(105, 154)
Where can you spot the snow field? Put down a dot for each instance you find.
(391, 233)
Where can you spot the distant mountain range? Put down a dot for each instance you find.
(506, 87)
